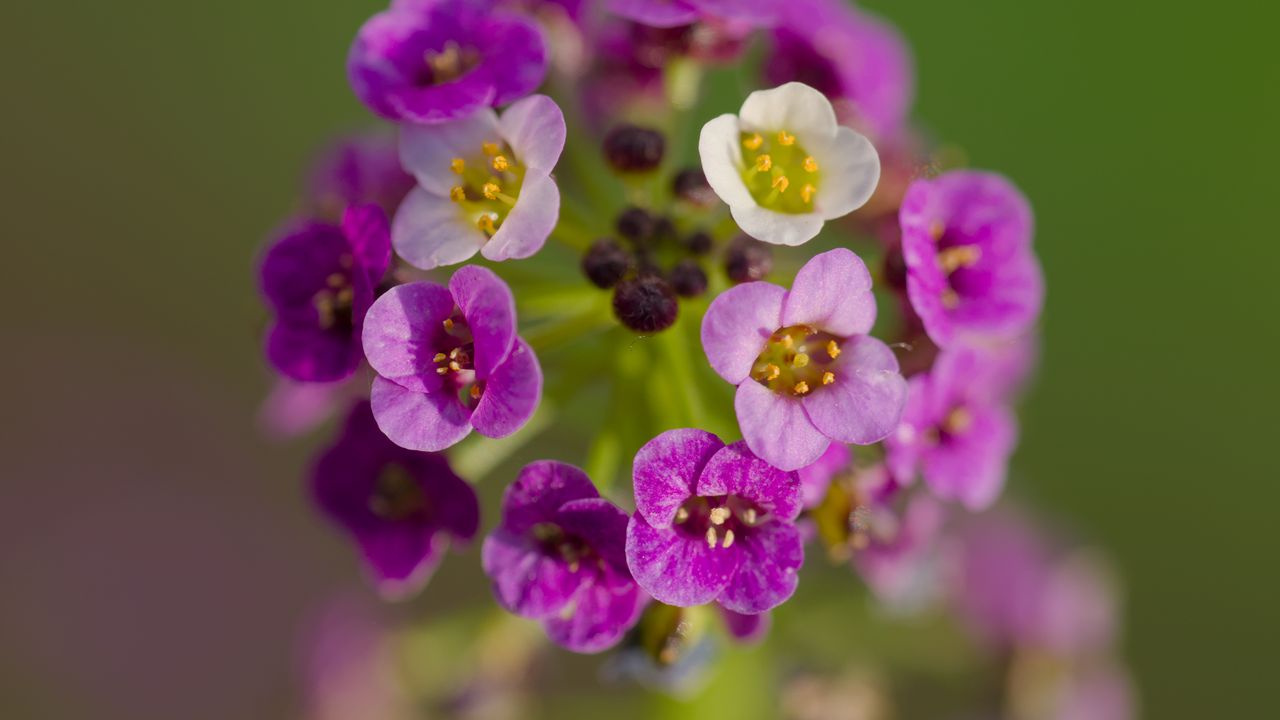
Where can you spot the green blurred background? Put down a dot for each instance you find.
(157, 554)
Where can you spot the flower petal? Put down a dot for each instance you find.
(794, 107)
(745, 628)
(774, 227)
(735, 470)
(771, 554)
(776, 427)
(816, 477)
(418, 421)
(832, 292)
(602, 525)
(720, 150)
(671, 13)
(490, 311)
(738, 324)
(527, 580)
(530, 222)
(850, 174)
(971, 467)
(309, 354)
(675, 568)
(602, 611)
(865, 402)
(367, 230)
(511, 394)
(534, 128)
(428, 151)
(403, 332)
(666, 469)
(401, 558)
(539, 491)
(431, 230)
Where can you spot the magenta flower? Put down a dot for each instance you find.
(672, 13)
(857, 60)
(957, 430)
(402, 508)
(971, 271)
(713, 522)
(558, 556)
(430, 61)
(319, 280)
(744, 628)
(358, 170)
(484, 185)
(806, 370)
(863, 515)
(449, 360)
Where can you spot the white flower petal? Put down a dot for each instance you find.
(534, 128)
(850, 173)
(775, 227)
(527, 227)
(794, 107)
(426, 151)
(431, 231)
(720, 149)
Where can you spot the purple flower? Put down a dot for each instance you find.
(956, 430)
(713, 523)
(807, 372)
(430, 61)
(319, 280)
(449, 360)
(862, 515)
(292, 408)
(746, 629)
(484, 185)
(672, 13)
(971, 271)
(857, 60)
(400, 507)
(358, 170)
(558, 556)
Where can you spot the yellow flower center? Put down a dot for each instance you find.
(780, 174)
(488, 184)
(797, 360)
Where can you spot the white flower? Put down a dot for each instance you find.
(784, 166)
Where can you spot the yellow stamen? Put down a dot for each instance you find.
(336, 280)
(457, 194)
(440, 357)
(959, 256)
(485, 223)
(458, 166)
(958, 420)
(950, 300)
(772, 372)
(754, 142)
(500, 163)
(800, 360)
(453, 354)
(787, 341)
(474, 392)
(489, 148)
(711, 537)
(719, 515)
(937, 230)
(810, 165)
(764, 162)
(801, 388)
(781, 183)
(749, 516)
(346, 295)
(786, 138)
(448, 323)
(442, 370)
(833, 349)
(806, 192)
(828, 377)
(491, 191)
(682, 515)
(454, 366)
(728, 538)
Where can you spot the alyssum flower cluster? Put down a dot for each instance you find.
(394, 299)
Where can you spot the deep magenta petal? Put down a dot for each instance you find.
(666, 470)
(511, 394)
(677, 569)
(767, 573)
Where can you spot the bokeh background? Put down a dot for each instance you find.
(157, 559)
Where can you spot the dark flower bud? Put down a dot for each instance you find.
(688, 279)
(605, 263)
(699, 243)
(636, 224)
(747, 260)
(646, 304)
(895, 268)
(634, 149)
(691, 186)
(664, 230)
